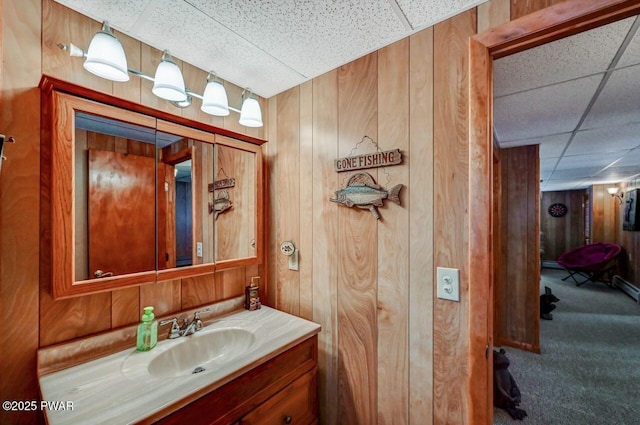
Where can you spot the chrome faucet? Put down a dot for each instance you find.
(196, 323)
(187, 328)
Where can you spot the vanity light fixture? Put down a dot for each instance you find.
(250, 115)
(613, 191)
(168, 82)
(106, 59)
(214, 99)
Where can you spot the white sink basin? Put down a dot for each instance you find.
(201, 351)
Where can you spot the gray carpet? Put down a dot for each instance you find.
(588, 372)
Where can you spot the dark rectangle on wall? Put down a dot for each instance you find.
(631, 218)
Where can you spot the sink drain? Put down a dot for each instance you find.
(198, 370)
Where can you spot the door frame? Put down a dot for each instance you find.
(550, 24)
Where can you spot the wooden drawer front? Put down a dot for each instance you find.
(295, 405)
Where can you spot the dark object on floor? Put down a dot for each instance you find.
(547, 305)
(593, 262)
(506, 394)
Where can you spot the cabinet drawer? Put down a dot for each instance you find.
(295, 405)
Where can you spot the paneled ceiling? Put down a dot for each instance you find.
(579, 98)
(267, 46)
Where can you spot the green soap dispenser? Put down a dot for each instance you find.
(147, 331)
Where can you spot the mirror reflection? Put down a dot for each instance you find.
(234, 202)
(185, 225)
(114, 197)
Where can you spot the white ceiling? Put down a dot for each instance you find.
(267, 46)
(579, 98)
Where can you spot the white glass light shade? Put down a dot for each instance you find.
(214, 99)
(168, 82)
(105, 57)
(250, 115)
(612, 190)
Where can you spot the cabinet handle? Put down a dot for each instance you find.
(287, 419)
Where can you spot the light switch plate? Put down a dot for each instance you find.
(293, 260)
(448, 284)
(199, 249)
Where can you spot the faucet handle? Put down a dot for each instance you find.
(175, 328)
(196, 317)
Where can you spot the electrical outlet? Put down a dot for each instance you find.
(448, 284)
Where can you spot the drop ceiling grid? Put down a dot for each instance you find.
(310, 37)
(566, 59)
(619, 102)
(544, 111)
(605, 139)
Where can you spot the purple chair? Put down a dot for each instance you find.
(591, 262)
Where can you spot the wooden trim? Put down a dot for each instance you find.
(553, 23)
(549, 24)
(238, 262)
(48, 84)
(186, 272)
(519, 345)
(181, 130)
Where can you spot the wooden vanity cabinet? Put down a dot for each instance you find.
(282, 390)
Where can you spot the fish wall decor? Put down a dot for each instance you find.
(221, 204)
(362, 191)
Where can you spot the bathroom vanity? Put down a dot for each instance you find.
(257, 367)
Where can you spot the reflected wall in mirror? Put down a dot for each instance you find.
(234, 201)
(185, 170)
(114, 197)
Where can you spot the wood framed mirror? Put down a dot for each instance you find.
(128, 194)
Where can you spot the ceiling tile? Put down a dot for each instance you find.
(312, 37)
(574, 173)
(422, 14)
(573, 57)
(630, 159)
(631, 55)
(121, 14)
(619, 102)
(591, 161)
(545, 111)
(605, 139)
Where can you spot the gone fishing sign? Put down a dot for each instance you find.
(361, 190)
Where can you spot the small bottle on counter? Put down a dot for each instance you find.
(251, 298)
(147, 331)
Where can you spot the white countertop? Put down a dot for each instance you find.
(118, 389)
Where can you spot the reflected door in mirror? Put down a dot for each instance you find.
(121, 224)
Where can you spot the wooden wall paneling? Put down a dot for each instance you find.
(307, 204)
(520, 8)
(325, 240)
(234, 95)
(598, 213)
(198, 290)
(63, 25)
(125, 307)
(393, 238)
(233, 282)
(357, 261)
(518, 289)
(272, 244)
(493, 13)
(562, 233)
(132, 89)
(19, 209)
(451, 225)
(288, 196)
(419, 194)
(163, 296)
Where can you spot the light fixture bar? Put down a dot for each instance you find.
(255, 119)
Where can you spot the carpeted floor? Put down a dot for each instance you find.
(588, 372)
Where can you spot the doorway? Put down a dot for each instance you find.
(547, 25)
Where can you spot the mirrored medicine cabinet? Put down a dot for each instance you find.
(139, 196)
